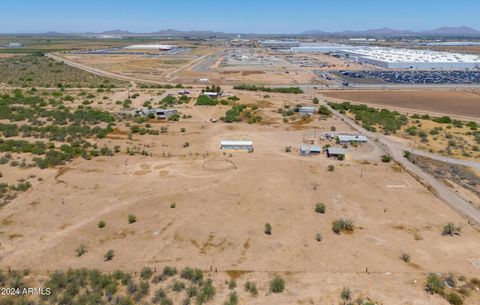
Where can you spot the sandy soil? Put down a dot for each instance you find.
(222, 202)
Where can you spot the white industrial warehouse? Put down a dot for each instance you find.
(161, 47)
(413, 59)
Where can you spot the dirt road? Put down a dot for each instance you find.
(396, 151)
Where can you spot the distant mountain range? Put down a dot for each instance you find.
(387, 32)
(381, 32)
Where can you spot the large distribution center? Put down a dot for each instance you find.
(413, 59)
(279, 44)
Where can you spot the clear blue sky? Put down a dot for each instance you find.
(259, 16)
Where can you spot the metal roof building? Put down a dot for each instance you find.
(237, 145)
(335, 151)
(307, 110)
(162, 47)
(306, 150)
(394, 58)
(345, 139)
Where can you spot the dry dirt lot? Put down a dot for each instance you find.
(222, 202)
(461, 103)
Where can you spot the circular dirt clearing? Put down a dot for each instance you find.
(219, 165)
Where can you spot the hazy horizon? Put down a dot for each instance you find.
(267, 17)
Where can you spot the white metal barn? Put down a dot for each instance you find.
(237, 145)
(346, 139)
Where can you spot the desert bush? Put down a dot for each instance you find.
(450, 229)
(232, 299)
(194, 275)
(146, 273)
(434, 284)
(132, 218)
(159, 295)
(346, 294)
(293, 90)
(320, 208)
(277, 284)
(109, 255)
(101, 224)
(268, 229)
(331, 168)
(343, 225)
(454, 298)
(386, 158)
(405, 257)
(251, 287)
(81, 250)
(169, 271)
(318, 237)
(206, 293)
(178, 286)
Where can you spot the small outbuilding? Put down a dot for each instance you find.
(157, 112)
(213, 94)
(336, 152)
(15, 45)
(307, 110)
(237, 145)
(346, 139)
(306, 150)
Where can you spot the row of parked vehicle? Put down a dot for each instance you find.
(419, 77)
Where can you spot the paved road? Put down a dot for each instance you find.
(457, 202)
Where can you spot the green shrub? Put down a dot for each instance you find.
(109, 255)
(204, 100)
(294, 90)
(206, 293)
(451, 230)
(146, 273)
(320, 208)
(232, 284)
(101, 224)
(132, 218)
(386, 158)
(277, 285)
(323, 110)
(251, 287)
(194, 275)
(454, 298)
(169, 271)
(343, 225)
(232, 299)
(268, 229)
(81, 250)
(346, 294)
(434, 284)
(405, 257)
(178, 286)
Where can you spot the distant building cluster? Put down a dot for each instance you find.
(394, 58)
(279, 44)
(161, 47)
(14, 45)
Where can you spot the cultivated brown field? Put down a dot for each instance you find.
(460, 103)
